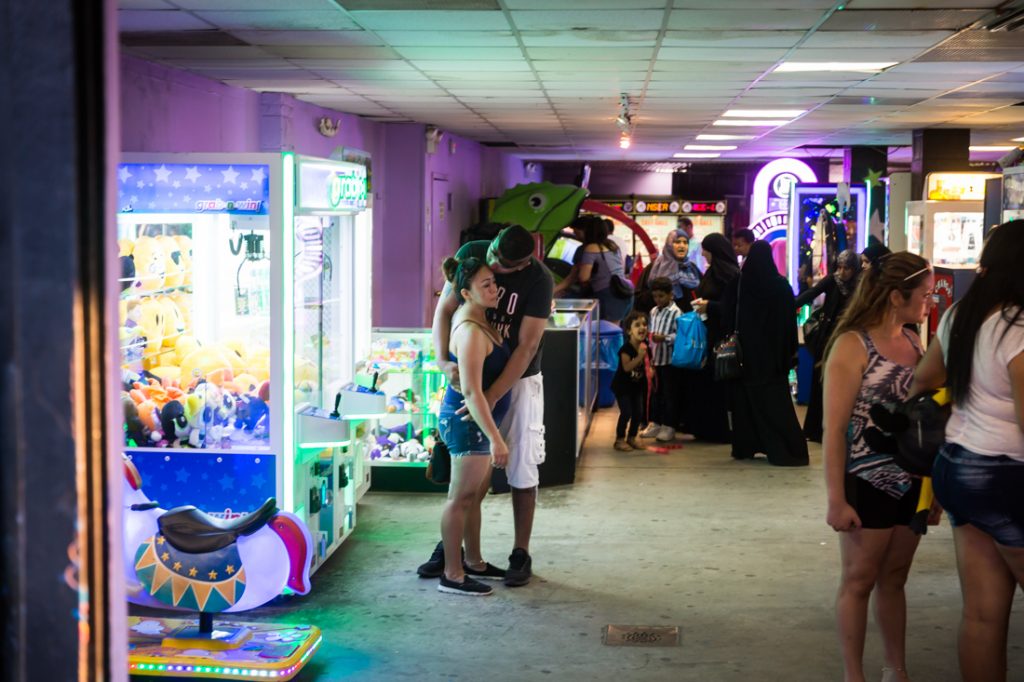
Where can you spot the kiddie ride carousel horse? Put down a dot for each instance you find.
(185, 559)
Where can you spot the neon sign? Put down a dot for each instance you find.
(331, 186)
(773, 185)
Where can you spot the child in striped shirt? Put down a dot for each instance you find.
(664, 402)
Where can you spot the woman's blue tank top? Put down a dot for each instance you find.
(494, 363)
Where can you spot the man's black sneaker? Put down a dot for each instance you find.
(488, 572)
(434, 566)
(519, 564)
(468, 587)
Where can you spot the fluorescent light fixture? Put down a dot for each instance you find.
(696, 155)
(752, 123)
(860, 67)
(710, 147)
(764, 113)
(624, 141)
(991, 148)
(1016, 139)
(710, 137)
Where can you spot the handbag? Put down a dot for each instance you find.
(814, 328)
(439, 470)
(691, 344)
(728, 352)
(619, 285)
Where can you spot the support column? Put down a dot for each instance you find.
(865, 165)
(276, 122)
(938, 149)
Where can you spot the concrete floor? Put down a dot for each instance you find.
(736, 554)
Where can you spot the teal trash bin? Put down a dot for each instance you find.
(609, 341)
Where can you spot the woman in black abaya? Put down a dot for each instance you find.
(763, 416)
(707, 400)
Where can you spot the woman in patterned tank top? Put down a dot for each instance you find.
(871, 500)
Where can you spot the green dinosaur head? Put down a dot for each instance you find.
(542, 207)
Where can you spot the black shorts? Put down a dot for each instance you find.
(880, 510)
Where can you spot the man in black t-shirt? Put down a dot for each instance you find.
(525, 290)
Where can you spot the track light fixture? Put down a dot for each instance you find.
(624, 121)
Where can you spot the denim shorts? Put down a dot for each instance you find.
(982, 491)
(462, 437)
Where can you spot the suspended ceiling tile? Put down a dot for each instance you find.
(954, 68)
(850, 54)
(393, 65)
(584, 5)
(144, 4)
(902, 20)
(588, 37)
(361, 52)
(129, 20)
(731, 39)
(217, 5)
(629, 20)
(863, 40)
(279, 20)
(536, 95)
(438, 20)
(461, 53)
(463, 38)
(611, 53)
(381, 77)
(493, 76)
(510, 88)
(454, 65)
(735, 68)
(631, 66)
(743, 20)
(764, 54)
(308, 38)
(419, 4)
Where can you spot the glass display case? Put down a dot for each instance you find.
(239, 324)
(1013, 194)
(824, 220)
(569, 364)
(397, 443)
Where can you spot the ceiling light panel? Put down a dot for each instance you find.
(286, 20)
(696, 155)
(709, 147)
(763, 113)
(723, 136)
(750, 123)
(431, 20)
(626, 20)
(741, 20)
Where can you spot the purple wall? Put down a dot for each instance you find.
(166, 110)
(607, 182)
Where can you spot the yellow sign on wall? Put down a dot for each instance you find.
(957, 186)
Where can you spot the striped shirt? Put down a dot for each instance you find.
(663, 321)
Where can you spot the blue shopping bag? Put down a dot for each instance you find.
(691, 347)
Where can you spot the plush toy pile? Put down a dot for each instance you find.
(177, 390)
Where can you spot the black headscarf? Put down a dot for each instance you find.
(759, 271)
(875, 253)
(723, 266)
(767, 317)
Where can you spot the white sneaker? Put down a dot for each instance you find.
(666, 434)
(651, 431)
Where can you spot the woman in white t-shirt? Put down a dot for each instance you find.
(979, 473)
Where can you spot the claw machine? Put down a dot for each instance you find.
(947, 228)
(1013, 194)
(245, 288)
(824, 220)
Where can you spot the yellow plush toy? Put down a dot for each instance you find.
(175, 273)
(174, 326)
(206, 362)
(166, 373)
(149, 318)
(150, 265)
(257, 363)
(184, 302)
(185, 247)
(185, 344)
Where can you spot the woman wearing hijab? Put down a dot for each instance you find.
(760, 303)
(707, 400)
(673, 263)
(837, 289)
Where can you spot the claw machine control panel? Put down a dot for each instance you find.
(242, 281)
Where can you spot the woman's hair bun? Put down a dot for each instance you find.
(449, 268)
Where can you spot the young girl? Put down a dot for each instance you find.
(871, 500)
(630, 382)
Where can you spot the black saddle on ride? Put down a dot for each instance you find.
(190, 530)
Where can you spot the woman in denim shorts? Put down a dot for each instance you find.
(476, 445)
(979, 473)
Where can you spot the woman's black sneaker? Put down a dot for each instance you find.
(488, 572)
(519, 565)
(468, 587)
(434, 566)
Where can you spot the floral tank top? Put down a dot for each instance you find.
(887, 383)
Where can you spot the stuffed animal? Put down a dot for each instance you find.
(185, 249)
(135, 432)
(184, 345)
(167, 373)
(124, 247)
(184, 302)
(264, 391)
(149, 318)
(149, 415)
(257, 362)
(253, 415)
(174, 325)
(206, 362)
(150, 262)
(174, 423)
(174, 274)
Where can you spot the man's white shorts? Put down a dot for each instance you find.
(523, 431)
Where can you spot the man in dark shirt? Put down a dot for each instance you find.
(524, 304)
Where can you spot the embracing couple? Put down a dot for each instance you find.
(487, 332)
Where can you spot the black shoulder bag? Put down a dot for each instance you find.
(619, 285)
(728, 354)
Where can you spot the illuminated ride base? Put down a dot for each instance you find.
(175, 647)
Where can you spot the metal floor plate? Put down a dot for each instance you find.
(641, 635)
